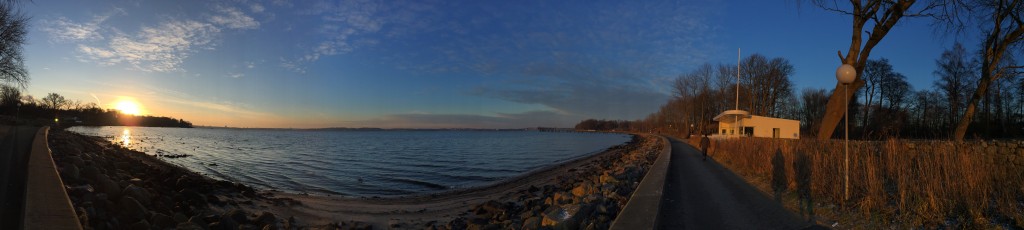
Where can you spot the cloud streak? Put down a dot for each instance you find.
(151, 48)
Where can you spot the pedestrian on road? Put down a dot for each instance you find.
(704, 144)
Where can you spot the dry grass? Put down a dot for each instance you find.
(896, 182)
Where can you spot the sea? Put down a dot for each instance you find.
(358, 163)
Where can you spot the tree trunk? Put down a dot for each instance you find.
(857, 56)
(961, 128)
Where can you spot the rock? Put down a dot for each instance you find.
(607, 179)
(562, 217)
(90, 172)
(238, 215)
(178, 217)
(193, 197)
(132, 208)
(108, 186)
(228, 222)
(71, 173)
(582, 190)
(188, 226)
(492, 207)
(213, 199)
(457, 223)
(164, 221)
(197, 220)
(141, 225)
(266, 218)
(140, 194)
(76, 161)
(531, 223)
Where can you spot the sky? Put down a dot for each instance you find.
(428, 64)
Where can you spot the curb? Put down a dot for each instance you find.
(641, 211)
(46, 202)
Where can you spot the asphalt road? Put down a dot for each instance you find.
(704, 195)
(15, 146)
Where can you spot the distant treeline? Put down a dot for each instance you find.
(605, 125)
(55, 109)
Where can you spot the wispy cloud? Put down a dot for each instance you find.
(154, 49)
(349, 25)
(64, 30)
(162, 47)
(233, 18)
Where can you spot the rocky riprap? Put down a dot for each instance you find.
(115, 188)
(588, 197)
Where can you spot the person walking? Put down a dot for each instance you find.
(704, 144)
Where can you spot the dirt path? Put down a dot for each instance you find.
(704, 195)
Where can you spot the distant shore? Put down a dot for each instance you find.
(175, 197)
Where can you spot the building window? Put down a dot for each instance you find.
(723, 132)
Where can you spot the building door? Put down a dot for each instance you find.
(749, 131)
(776, 133)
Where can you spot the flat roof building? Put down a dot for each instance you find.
(739, 123)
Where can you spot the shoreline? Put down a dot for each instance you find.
(288, 210)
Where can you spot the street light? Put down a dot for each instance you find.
(846, 74)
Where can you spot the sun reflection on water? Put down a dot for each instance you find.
(126, 137)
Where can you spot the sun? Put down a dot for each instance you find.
(129, 107)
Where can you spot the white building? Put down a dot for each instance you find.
(739, 123)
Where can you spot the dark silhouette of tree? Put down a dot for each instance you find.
(13, 28)
(768, 82)
(10, 98)
(895, 89)
(812, 106)
(874, 71)
(1003, 24)
(881, 16)
(54, 101)
(955, 70)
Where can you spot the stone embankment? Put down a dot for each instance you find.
(588, 197)
(116, 188)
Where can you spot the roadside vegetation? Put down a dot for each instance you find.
(897, 183)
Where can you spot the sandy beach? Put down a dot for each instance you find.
(104, 179)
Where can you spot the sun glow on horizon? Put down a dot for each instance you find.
(128, 106)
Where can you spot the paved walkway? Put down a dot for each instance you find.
(15, 146)
(704, 195)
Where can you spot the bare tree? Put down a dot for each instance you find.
(956, 72)
(881, 15)
(895, 90)
(874, 71)
(54, 101)
(13, 28)
(812, 109)
(768, 83)
(1003, 24)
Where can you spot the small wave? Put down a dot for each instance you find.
(427, 184)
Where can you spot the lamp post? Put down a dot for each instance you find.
(846, 74)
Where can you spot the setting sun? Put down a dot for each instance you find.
(128, 107)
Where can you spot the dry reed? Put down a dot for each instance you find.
(897, 182)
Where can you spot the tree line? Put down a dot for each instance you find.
(55, 108)
(977, 94)
(887, 105)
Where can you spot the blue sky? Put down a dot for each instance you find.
(426, 64)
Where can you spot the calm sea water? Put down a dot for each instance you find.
(359, 163)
